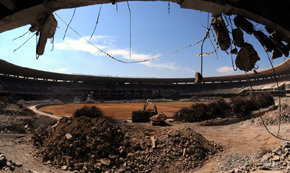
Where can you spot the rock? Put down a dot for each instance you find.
(153, 141)
(2, 161)
(64, 168)
(105, 162)
(68, 136)
(276, 158)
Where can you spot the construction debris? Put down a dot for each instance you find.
(276, 53)
(198, 78)
(238, 37)
(244, 24)
(46, 31)
(272, 117)
(277, 160)
(266, 42)
(221, 31)
(247, 57)
(7, 165)
(101, 144)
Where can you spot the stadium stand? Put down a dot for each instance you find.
(35, 84)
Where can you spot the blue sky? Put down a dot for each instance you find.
(154, 33)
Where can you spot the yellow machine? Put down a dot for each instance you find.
(150, 114)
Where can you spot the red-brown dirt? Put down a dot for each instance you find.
(117, 110)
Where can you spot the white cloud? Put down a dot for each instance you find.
(78, 45)
(225, 70)
(106, 43)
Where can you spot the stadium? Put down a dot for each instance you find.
(35, 84)
(57, 122)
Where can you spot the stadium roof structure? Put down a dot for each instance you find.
(272, 13)
(11, 69)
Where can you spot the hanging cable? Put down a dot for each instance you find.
(68, 25)
(97, 21)
(130, 35)
(23, 43)
(214, 47)
(260, 113)
(168, 7)
(278, 88)
(121, 61)
(201, 48)
(21, 35)
(117, 7)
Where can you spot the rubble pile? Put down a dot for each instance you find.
(7, 164)
(101, 144)
(272, 117)
(167, 151)
(14, 116)
(278, 159)
(80, 143)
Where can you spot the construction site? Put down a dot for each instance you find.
(234, 123)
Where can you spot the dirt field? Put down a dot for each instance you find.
(242, 142)
(117, 111)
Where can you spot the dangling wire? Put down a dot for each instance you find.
(130, 35)
(260, 113)
(117, 7)
(23, 43)
(21, 35)
(201, 48)
(97, 21)
(217, 56)
(256, 67)
(168, 7)
(121, 61)
(229, 21)
(277, 83)
(68, 25)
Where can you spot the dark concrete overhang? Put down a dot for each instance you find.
(272, 13)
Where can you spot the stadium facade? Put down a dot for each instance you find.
(35, 84)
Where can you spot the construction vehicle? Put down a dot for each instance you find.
(151, 114)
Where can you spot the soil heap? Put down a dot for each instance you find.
(101, 144)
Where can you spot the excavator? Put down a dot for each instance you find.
(151, 114)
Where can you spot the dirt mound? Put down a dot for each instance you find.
(80, 143)
(272, 117)
(101, 144)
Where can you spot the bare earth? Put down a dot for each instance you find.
(242, 142)
(117, 111)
